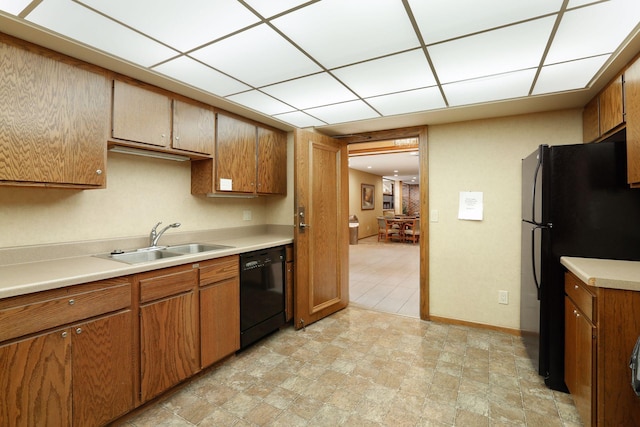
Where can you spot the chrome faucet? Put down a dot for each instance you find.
(155, 236)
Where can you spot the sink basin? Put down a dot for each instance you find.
(141, 256)
(196, 248)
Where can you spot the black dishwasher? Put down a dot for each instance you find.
(261, 294)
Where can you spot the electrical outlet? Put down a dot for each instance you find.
(503, 297)
(246, 215)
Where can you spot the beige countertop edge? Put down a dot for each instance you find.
(605, 273)
(26, 278)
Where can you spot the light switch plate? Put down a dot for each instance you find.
(246, 215)
(434, 215)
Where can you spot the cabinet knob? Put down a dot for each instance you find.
(162, 136)
(72, 301)
(78, 331)
(64, 334)
(177, 138)
(575, 286)
(99, 172)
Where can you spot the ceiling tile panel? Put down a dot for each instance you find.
(299, 119)
(183, 25)
(269, 8)
(200, 76)
(343, 112)
(261, 102)
(408, 102)
(14, 7)
(568, 75)
(499, 51)
(442, 20)
(488, 89)
(79, 23)
(338, 32)
(410, 70)
(312, 91)
(593, 30)
(258, 56)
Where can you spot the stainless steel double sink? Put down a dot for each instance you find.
(155, 253)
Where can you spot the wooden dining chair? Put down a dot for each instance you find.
(386, 230)
(412, 231)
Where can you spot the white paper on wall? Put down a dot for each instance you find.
(226, 184)
(471, 205)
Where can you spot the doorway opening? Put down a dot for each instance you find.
(386, 276)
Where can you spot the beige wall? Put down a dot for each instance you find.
(470, 261)
(140, 192)
(367, 219)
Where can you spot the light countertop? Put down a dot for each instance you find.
(28, 277)
(605, 273)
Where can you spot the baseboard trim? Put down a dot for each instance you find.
(450, 321)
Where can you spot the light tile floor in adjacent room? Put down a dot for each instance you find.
(385, 276)
(360, 367)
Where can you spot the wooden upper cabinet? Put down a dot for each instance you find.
(272, 162)
(632, 109)
(193, 128)
(235, 155)
(141, 115)
(249, 159)
(591, 120)
(55, 118)
(611, 106)
(604, 112)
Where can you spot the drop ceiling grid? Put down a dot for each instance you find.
(314, 63)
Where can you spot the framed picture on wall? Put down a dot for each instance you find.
(368, 196)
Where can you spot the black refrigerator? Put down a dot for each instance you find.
(575, 202)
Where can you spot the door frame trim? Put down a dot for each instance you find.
(420, 132)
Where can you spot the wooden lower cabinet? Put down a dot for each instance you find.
(219, 309)
(102, 369)
(35, 381)
(168, 329)
(602, 326)
(81, 375)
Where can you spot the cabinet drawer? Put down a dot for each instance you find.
(580, 295)
(219, 269)
(37, 316)
(171, 281)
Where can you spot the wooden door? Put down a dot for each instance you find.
(193, 128)
(235, 155)
(102, 369)
(168, 343)
(321, 233)
(141, 115)
(219, 320)
(35, 381)
(272, 162)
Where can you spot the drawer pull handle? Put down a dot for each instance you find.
(72, 301)
(64, 334)
(78, 331)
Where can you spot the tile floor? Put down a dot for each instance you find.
(361, 367)
(385, 276)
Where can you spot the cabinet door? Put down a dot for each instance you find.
(272, 162)
(54, 122)
(235, 155)
(611, 106)
(193, 128)
(141, 115)
(102, 369)
(219, 320)
(579, 355)
(35, 381)
(591, 121)
(632, 108)
(168, 343)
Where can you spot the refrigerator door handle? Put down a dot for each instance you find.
(533, 252)
(535, 185)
